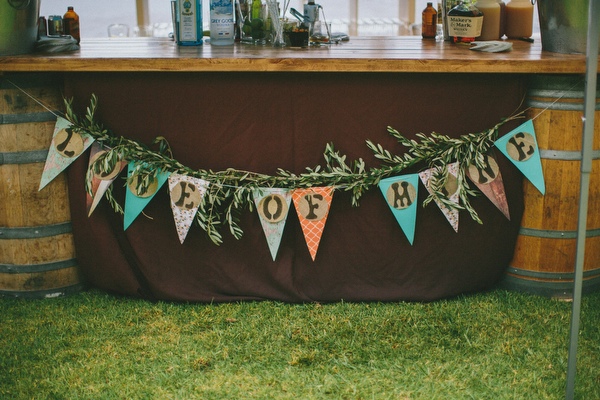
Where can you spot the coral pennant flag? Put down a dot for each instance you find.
(488, 178)
(136, 201)
(67, 145)
(312, 206)
(521, 148)
(401, 193)
(451, 188)
(186, 194)
(99, 182)
(272, 206)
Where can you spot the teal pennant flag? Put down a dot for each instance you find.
(135, 202)
(521, 148)
(400, 193)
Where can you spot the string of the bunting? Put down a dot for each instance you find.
(451, 169)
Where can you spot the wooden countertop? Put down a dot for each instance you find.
(360, 54)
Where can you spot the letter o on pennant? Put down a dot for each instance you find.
(273, 208)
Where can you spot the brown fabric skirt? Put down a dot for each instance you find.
(264, 121)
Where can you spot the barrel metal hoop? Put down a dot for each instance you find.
(566, 155)
(557, 93)
(546, 234)
(23, 157)
(35, 231)
(557, 105)
(44, 294)
(24, 118)
(551, 275)
(33, 268)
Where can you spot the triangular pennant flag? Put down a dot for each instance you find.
(135, 202)
(451, 188)
(488, 179)
(100, 182)
(312, 206)
(521, 148)
(401, 194)
(67, 145)
(272, 205)
(186, 194)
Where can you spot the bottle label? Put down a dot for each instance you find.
(221, 19)
(188, 25)
(459, 26)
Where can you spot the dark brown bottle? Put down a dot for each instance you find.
(71, 24)
(429, 22)
(464, 23)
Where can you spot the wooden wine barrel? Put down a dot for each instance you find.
(544, 259)
(37, 253)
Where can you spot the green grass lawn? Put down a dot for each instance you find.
(497, 345)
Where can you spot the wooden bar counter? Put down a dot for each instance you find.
(259, 109)
(364, 54)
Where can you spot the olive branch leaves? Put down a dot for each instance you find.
(230, 192)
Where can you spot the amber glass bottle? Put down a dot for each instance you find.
(429, 23)
(464, 23)
(71, 24)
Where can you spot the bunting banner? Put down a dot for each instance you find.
(100, 182)
(401, 194)
(66, 146)
(136, 202)
(312, 206)
(488, 180)
(521, 148)
(451, 190)
(272, 206)
(186, 194)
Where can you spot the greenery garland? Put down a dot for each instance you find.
(230, 191)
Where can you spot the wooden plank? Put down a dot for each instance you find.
(361, 54)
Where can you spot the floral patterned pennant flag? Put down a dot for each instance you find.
(401, 194)
(488, 179)
(136, 201)
(186, 194)
(521, 148)
(312, 206)
(451, 189)
(272, 206)
(100, 182)
(67, 145)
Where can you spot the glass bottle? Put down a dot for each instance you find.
(490, 30)
(519, 19)
(464, 23)
(222, 30)
(71, 24)
(429, 22)
(502, 17)
(189, 22)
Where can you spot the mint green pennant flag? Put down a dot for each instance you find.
(400, 193)
(66, 146)
(521, 148)
(272, 205)
(135, 202)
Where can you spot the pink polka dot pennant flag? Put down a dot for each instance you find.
(451, 188)
(100, 181)
(488, 178)
(186, 195)
(272, 206)
(312, 206)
